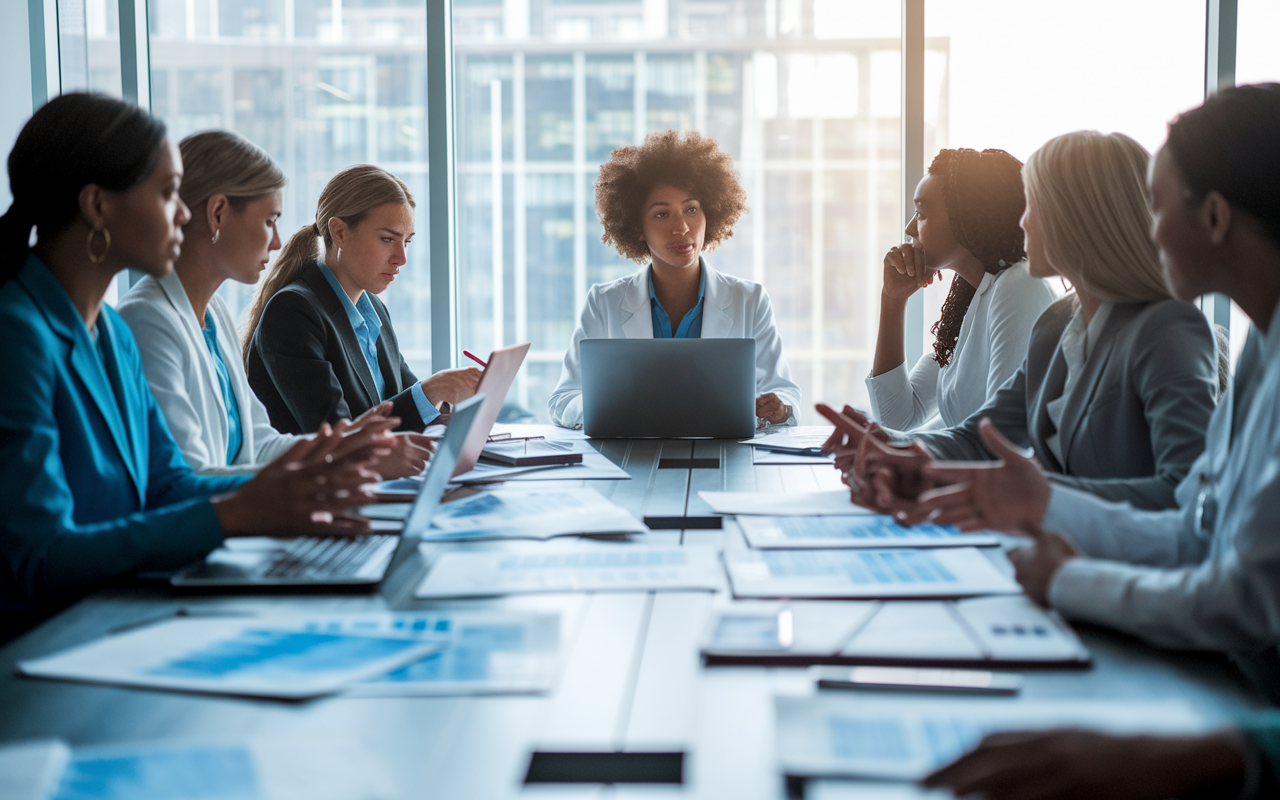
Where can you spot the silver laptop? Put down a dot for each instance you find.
(335, 561)
(669, 388)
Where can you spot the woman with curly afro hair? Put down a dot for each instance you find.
(664, 202)
(966, 220)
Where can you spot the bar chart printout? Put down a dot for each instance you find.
(793, 533)
(858, 574)
(242, 656)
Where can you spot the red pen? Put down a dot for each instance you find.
(474, 358)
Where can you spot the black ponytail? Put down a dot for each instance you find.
(72, 141)
(1229, 146)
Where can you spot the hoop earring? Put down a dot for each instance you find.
(216, 234)
(337, 256)
(106, 237)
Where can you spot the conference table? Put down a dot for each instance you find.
(630, 681)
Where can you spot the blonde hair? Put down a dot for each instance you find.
(350, 196)
(226, 163)
(1092, 203)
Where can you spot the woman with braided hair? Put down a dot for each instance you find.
(1119, 379)
(966, 220)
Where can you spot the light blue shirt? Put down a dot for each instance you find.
(235, 436)
(368, 327)
(690, 326)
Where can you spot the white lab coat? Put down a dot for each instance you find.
(184, 380)
(733, 308)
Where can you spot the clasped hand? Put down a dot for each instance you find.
(1010, 494)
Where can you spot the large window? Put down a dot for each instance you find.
(1019, 73)
(320, 85)
(804, 97)
(89, 45)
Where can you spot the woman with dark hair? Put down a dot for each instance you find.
(92, 486)
(1120, 379)
(665, 202)
(966, 220)
(1203, 576)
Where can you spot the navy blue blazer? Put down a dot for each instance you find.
(92, 485)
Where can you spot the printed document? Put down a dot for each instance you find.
(865, 574)
(797, 533)
(789, 504)
(528, 512)
(261, 657)
(619, 568)
(906, 738)
(485, 652)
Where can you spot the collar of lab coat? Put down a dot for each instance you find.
(717, 318)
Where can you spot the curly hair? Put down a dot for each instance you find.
(984, 200)
(688, 161)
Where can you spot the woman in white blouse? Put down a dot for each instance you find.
(665, 202)
(186, 335)
(966, 220)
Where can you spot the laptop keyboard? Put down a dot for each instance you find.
(325, 557)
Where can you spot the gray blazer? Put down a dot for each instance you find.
(1137, 417)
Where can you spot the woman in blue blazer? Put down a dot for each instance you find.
(92, 485)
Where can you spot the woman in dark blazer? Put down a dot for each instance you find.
(319, 345)
(1120, 379)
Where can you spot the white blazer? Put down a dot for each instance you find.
(732, 308)
(184, 380)
(991, 347)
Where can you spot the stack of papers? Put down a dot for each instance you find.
(864, 574)
(859, 737)
(594, 466)
(984, 632)
(798, 533)
(259, 769)
(260, 657)
(622, 568)
(527, 512)
(484, 652)
(799, 445)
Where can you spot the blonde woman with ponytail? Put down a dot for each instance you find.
(319, 345)
(186, 334)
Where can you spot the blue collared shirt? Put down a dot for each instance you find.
(690, 326)
(235, 436)
(368, 327)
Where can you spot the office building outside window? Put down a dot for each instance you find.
(805, 98)
(320, 85)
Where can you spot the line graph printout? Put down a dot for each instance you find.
(865, 574)
(827, 736)
(623, 567)
(793, 533)
(241, 656)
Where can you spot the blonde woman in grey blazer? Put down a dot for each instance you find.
(1120, 379)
